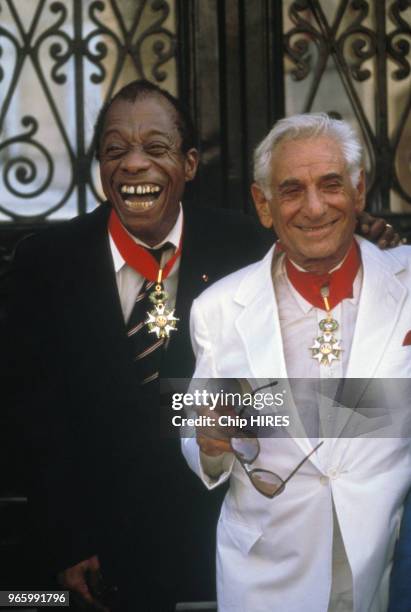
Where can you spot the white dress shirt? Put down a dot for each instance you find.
(130, 282)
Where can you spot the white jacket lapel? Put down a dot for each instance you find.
(259, 328)
(258, 324)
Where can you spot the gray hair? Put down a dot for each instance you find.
(309, 125)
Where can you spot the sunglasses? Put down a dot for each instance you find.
(269, 484)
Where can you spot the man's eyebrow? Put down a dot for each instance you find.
(332, 176)
(290, 182)
(111, 132)
(294, 182)
(115, 131)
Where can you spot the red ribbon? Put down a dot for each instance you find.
(136, 255)
(340, 282)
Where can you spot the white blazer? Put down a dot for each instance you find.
(275, 555)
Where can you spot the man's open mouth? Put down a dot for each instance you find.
(141, 196)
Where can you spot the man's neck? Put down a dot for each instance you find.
(320, 266)
(173, 235)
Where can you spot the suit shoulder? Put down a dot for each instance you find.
(402, 253)
(399, 257)
(230, 227)
(61, 238)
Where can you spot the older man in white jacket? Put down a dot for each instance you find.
(322, 304)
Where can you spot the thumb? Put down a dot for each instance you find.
(94, 563)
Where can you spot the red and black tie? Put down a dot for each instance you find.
(146, 347)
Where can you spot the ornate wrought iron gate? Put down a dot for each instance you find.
(239, 64)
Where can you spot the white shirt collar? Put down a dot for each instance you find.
(173, 236)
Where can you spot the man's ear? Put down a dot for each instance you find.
(262, 206)
(192, 158)
(360, 193)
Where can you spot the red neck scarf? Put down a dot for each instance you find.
(136, 255)
(340, 282)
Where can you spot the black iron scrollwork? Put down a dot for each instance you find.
(97, 51)
(58, 53)
(1, 69)
(28, 167)
(364, 45)
(398, 47)
(22, 167)
(14, 71)
(159, 47)
(297, 40)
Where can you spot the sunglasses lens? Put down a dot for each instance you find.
(267, 483)
(246, 449)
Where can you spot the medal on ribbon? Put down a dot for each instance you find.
(161, 320)
(326, 347)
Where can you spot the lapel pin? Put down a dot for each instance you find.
(205, 278)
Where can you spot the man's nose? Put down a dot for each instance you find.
(134, 161)
(314, 205)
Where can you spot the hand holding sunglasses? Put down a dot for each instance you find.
(214, 439)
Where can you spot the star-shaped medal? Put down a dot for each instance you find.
(161, 321)
(326, 348)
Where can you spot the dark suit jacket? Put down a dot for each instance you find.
(103, 479)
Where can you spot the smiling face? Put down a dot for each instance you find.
(313, 205)
(143, 170)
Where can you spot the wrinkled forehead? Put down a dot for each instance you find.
(307, 159)
(147, 114)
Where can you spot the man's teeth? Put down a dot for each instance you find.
(140, 189)
(139, 205)
(318, 227)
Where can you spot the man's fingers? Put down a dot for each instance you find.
(213, 447)
(74, 579)
(395, 241)
(389, 238)
(214, 437)
(95, 582)
(378, 230)
(215, 412)
(94, 578)
(85, 582)
(389, 233)
(94, 563)
(365, 220)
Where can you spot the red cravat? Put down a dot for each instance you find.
(135, 255)
(340, 282)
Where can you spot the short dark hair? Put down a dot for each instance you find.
(138, 90)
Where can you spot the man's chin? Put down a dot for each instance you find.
(321, 259)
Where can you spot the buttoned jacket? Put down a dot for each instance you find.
(104, 479)
(276, 554)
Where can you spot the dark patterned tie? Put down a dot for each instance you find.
(147, 348)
